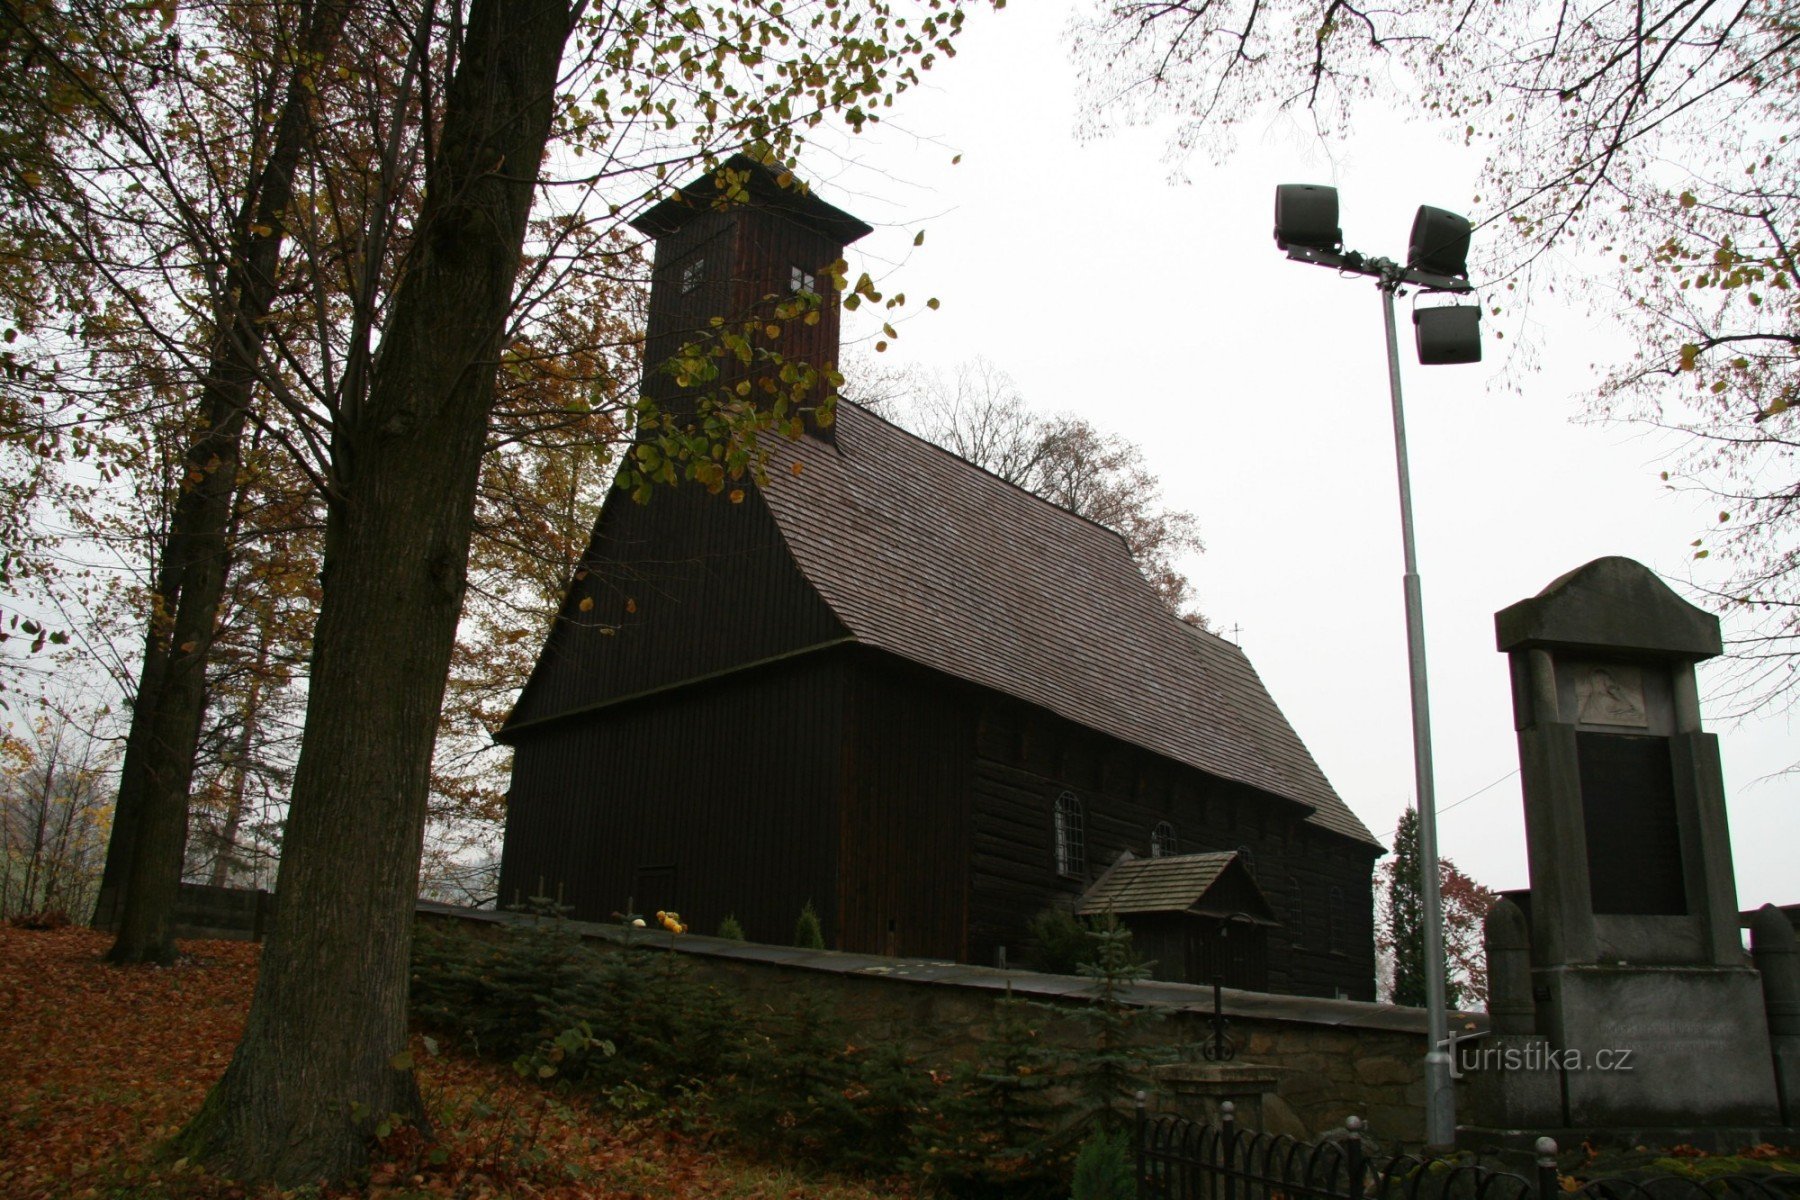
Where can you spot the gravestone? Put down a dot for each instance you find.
(1632, 1008)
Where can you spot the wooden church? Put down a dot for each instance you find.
(925, 700)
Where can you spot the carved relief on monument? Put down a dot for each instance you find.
(1610, 694)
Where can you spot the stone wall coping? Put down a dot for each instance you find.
(1190, 998)
(1221, 1074)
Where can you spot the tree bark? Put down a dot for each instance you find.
(166, 721)
(225, 859)
(317, 1069)
(129, 804)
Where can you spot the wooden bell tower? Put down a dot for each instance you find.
(730, 247)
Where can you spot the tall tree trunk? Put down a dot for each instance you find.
(197, 554)
(129, 804)
(225, 859)
(317, 1068)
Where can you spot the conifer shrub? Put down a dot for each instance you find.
(808, 933)
(791, 1076)
(986, 1132)
(730, 929)
(1104, 1168)
(641, 1028)
(1060, 943)
(672, 1031)
(507, 997)
(1112, 1064)
(888, 1100)
(804, 1087)
(514, 996)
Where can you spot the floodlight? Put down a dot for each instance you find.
(1440, 243)
(1306, 214)
(1448, 335)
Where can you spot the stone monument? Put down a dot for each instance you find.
(1622, 1000)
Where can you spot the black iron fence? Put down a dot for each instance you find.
(1179, 1159)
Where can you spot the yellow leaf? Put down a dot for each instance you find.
(773, 331)
(919, 238)
(932, 303)
(737, 495)
(630, 604)
(587, 604)
(797, 469)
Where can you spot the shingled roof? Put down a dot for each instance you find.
(930, 558)
(1175, 883)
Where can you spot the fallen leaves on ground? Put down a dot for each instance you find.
(100, 1065)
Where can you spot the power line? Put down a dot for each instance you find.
(1490, 787)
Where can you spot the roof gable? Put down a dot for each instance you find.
(928, 557)
(1205, 885)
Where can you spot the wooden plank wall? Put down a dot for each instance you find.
(1025, 758)
(687, 584)
(905, 831)
(709, 240)
(769, 246)
(719, 795)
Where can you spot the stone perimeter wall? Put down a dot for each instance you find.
(1332, 1058)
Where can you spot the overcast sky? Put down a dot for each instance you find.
(1163, 311)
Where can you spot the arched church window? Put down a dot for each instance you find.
(1162, 840)
(1071, 842)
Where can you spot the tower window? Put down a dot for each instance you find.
(800, 280)
(692, 272)
(1338, 939)
(1162, 840)
(1071, 844)
(1296, 905)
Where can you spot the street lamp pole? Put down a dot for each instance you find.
(1306, 227)
(1440, 1091)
